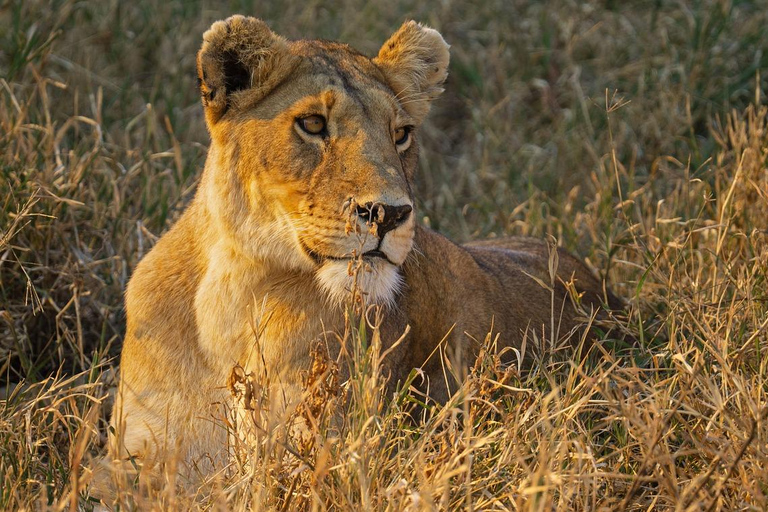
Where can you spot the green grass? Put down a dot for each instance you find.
(633, 132)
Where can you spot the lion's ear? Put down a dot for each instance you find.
(239, 54)
(415, 62)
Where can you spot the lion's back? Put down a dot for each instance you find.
(535, 258)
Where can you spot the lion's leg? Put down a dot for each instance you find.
(168, 437)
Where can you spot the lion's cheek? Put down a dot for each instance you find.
(397, 244)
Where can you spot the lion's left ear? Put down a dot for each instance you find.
(239, 53)
(415, 62)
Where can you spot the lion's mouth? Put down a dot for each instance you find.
(375, 253)
(320, 258)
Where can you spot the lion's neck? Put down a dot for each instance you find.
(256, 311)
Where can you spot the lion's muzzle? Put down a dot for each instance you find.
(382, 234)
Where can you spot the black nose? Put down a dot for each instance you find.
(385, 217)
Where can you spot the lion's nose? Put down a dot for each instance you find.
(385, 217)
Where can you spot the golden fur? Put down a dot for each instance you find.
(255, 270)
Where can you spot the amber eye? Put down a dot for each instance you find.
(402, 134)
(313, 125)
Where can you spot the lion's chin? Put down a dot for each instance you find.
(379, 281)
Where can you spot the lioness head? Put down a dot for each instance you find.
(314, 148)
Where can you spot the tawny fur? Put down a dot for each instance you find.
(253, 272)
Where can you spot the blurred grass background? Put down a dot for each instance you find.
(633, 132)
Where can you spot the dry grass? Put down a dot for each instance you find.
(662, 185)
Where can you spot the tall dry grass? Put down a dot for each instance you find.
(635, 133)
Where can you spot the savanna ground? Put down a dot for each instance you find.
(634, 133)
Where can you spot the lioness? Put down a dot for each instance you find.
(312, 159)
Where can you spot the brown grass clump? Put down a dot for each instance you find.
(636, 134)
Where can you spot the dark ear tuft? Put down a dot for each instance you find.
(236, 75)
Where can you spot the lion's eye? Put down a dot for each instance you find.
(402, 134)
(313, 125)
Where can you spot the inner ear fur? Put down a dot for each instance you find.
(239, 53)
(415, 62)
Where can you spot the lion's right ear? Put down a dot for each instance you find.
(239, 54)
(415, 62)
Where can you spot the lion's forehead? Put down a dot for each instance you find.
(342, 59)
(339, 66)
